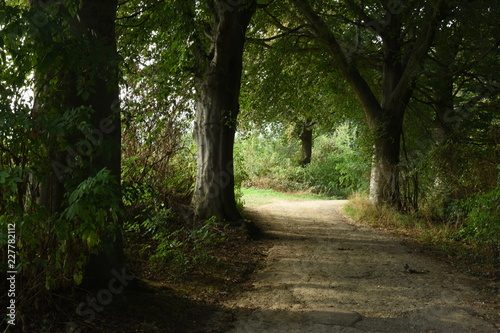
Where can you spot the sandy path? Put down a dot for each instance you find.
(326, 274)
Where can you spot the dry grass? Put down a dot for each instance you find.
(436, 237)
(361, 209)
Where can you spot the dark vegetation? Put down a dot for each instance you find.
(397, 101)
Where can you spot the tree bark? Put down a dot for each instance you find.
(93, 32)
(306, 141)
(384, 179)
(217, 107)
(97, 18)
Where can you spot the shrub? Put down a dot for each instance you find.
(53, 249)
(339, 165)
(184, 249)
(483, 219)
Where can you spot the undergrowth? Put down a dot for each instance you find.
(338, 165)
(173, 248)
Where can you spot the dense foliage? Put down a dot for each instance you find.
(339, 165)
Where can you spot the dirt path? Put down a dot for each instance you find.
(326, 274)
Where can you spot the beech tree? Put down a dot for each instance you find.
(217, 48)
(400, 35)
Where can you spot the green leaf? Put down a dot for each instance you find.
(78, 278)
(74, 197)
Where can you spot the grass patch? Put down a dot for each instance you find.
(475, 257)
(256, 197)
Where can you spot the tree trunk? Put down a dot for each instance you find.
(217, 108)
(384, 179)
(444, 123)
(93, 33)
(387, 122)
(445, 119)
(97, 18)
(306, 141)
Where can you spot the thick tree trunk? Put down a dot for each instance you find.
(217, 108)
(384, 179)
(387, 122)
(93, 30)
(214, 135)
(97, 18)
(306, 141)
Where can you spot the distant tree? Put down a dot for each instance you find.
(288, 84)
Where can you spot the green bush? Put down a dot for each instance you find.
(240, 175)
(339, 166)
(53, 249)
(483, 218)
(186, 248)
